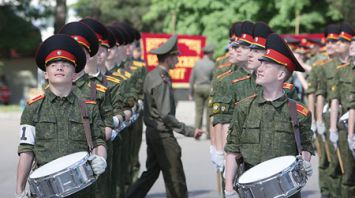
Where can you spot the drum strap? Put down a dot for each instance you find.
(86, 123)
(295, 124)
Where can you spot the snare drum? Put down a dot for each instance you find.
(62, 177)
(278, 177)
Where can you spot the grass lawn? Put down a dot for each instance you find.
(9, 108)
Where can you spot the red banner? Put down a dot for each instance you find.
(190, 48)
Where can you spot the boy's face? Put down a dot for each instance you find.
(253, 58)
(101, 55)
(331, 46)
(111, 55)
(60, 72)
(342, 47)
(232, 53)
(268, 73)
(352, 49)
(242, 53)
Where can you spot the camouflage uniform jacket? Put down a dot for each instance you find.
(52, 127)
(82, 88)
(262, 129)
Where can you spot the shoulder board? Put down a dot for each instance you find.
(37, 98)
(245, 99)
(134, 68)
(119, 75)
(224, 74)
(326, 61)
(163, 77)
(221, 57)
(101, 88)
(138, 63)
(112, 79)
(301, 109)
(240, 79)
(90, 102)
(46, 87)
(318, 62)
(342, 65)
(225, 65)
(288, 86)
(127, 74)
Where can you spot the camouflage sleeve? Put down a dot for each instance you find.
(334, 84)
(161, 95)
(306, 133)
(97, 127)
(235, 129)
(116, 99)
(321, 85)
(352, 93)
(312, 81)
(26, 119)
(105, 108)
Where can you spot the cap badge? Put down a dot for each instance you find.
(256, 39)
(59, 52)
(268, 51)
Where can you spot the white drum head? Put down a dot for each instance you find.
(58, 164)
(266, 169)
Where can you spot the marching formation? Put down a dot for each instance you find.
(258, 117)
(82, 136)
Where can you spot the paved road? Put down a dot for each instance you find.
(200, 175)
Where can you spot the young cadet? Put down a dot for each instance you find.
(164, 152)
(341, 95)
(222, 65)
(263, 117)
(329, 165)
(51, 124)
(222, 108)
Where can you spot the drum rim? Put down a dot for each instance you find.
(290, 167)
(81, 161)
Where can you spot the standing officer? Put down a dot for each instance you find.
(200, 85)
(51, 124)
(262, 129)
(164, 153)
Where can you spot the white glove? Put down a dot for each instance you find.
(334, 137)
(314, 127)
(140, 105)
(116, 122)
(351, 143)
(22, 195)
(320, 128)
(213, 154)
(114, 134)
(98, 164)
(219, 161)
(231, 194)
(307, 167)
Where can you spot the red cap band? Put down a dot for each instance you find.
(332, 36)
(81, 40)
(56, 54)
(246, 37)
(260, 41)
(345, 36)
(280, 59)
(102, 42)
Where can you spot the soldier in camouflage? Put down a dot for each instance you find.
(51, 124)
(262, 127)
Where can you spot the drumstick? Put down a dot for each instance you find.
(340, 161)
(317, 146)
(218, 183)
(327, 152)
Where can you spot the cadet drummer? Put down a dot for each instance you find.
(262, 127)
(51, 124)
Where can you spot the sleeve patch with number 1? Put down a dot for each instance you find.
(27, 134)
